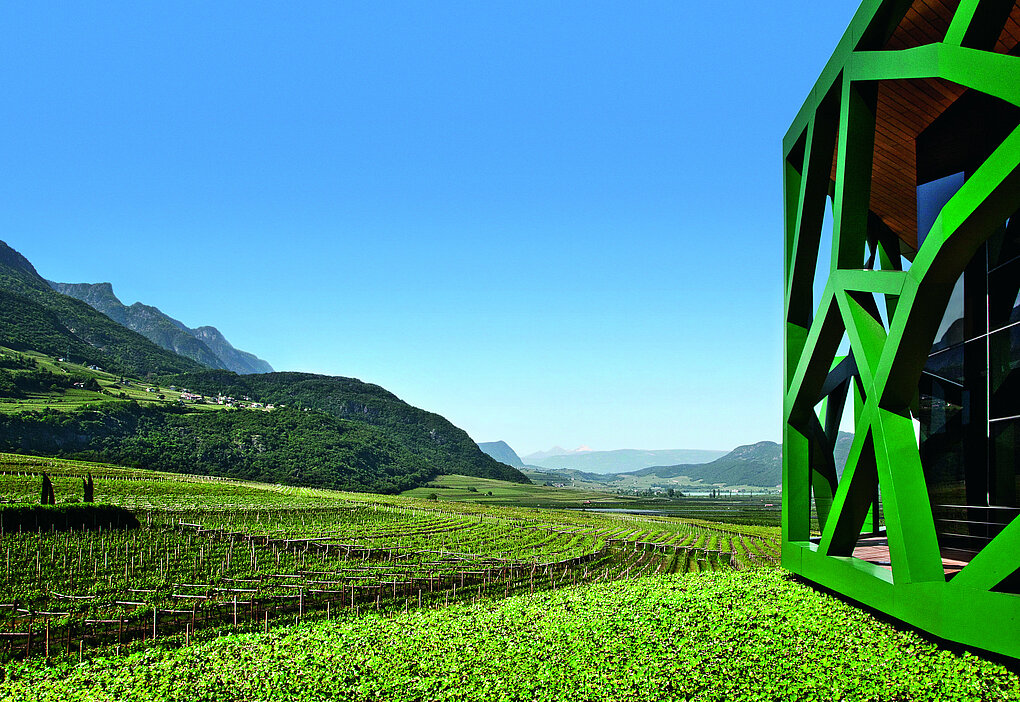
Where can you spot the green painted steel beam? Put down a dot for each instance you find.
(887, 356)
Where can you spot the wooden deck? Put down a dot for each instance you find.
(875, 550)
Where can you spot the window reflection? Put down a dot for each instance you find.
(969, 400)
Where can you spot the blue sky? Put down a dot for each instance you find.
(553, 223)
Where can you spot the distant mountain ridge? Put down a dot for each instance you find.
(533, 458)
(205, 345)
(502, 452)
(35, 316)
(623, 460)
(759, 465)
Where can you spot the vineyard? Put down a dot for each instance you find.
(214, 554)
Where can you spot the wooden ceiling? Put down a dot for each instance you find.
(1009, 40)
(905, 108)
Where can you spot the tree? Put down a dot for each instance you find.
(88, 488)
(433, 497)
(48, 498)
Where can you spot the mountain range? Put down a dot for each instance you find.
(323, 431)
(203, 344)
(35, 316)
(622, 460)
(533, 458)
(756, 465)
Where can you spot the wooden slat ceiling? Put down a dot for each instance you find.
(925, 22)
(1010, 37)
(906, 108)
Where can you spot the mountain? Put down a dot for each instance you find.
(313, 430)
(759, 465)
(205, 345)
(622, 460)
(533, 458)
(241, 362)
(38, 317)
(433, 439)
(502, 453)
(285, 446)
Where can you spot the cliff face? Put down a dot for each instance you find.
(206, 345)
(240, 362)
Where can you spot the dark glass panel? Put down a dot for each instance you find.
(1004, 295)
(1004, 370)
(947, 365)
(1004, 460)
(950, 330)
(1004, 245)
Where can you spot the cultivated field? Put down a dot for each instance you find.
(214, 553)
(241, 591)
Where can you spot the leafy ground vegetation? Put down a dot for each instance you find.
(234, 590)
(725, 635)
(212, 553)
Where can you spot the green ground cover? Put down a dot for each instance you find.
(264, 592)
(718, 636)
(211, 548)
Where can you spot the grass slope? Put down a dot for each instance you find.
(719, 636)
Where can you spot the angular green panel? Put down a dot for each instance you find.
(885, 459)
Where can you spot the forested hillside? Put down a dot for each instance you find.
(287, 446)
(427, 435)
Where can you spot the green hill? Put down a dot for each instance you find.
(36, 317)
(429, 436)
(286, 446)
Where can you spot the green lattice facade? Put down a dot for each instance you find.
(902, 320)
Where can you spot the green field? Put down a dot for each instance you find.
(239, 590)
(461, 488)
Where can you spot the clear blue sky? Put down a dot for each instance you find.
(551, 222)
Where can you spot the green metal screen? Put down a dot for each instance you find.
(865, 346)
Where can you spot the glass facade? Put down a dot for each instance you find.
(969, 400)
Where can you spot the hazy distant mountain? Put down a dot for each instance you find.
(622, 460)
(759, 464)
(534, 458)
(204, 344)
(236, 360)
(502, 452)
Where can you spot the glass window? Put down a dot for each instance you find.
(1004, 295)
(1004, 372)
(1004, 459)
(950, 330)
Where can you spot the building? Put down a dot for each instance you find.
(902, 319)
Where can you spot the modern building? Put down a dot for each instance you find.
(902, 319)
